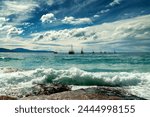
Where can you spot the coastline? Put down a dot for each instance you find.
(64, 92)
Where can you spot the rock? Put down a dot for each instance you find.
(47, 89)
(7, 98)
(95, 93)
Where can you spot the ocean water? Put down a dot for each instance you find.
(19, 72)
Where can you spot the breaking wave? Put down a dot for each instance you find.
(26, 79)
(74, 76)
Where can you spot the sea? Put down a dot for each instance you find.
(19, 72)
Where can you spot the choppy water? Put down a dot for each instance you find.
(19, 71)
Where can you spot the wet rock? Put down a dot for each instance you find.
(7, 98)
(47, 89)
(95, 93)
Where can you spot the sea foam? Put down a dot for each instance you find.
(22, 80)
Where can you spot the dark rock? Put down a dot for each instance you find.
(7, 98)
(47, 89)
(95, 93)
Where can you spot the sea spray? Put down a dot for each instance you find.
(23, 81)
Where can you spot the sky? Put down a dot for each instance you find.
(94, 25)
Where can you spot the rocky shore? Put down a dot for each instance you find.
(64, 92)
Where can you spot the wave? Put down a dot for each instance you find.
(21, 82)
(75, 76)
(8, 59)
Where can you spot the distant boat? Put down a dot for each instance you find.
(93, 52)
(71, 51)
(104, 52)
(82, 51)
(55, 52)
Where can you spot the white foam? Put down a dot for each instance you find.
(20, 80)
(2, 57)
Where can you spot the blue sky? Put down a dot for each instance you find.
(103, 25)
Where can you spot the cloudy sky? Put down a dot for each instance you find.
(99, 25)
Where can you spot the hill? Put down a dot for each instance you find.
(5, 50)
(21, 50)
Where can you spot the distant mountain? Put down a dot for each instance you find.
(5, 50)
(22, 50)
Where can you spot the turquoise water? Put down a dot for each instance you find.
(19, 71)
(125, 62)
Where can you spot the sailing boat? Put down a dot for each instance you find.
(71, 51)
(82, 51)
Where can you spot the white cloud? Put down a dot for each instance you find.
(134, 31)
(21, 9)
(48, 18)
(9, 31)
(15, 7)
(104, 11)
(15, 42)
(74, 21)
(50, 2)
(14, 31)
(115, 2)
(96, 16)
(18, 6)
(124, 34)
(3, 19)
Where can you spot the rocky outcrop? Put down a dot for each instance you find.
(97, 93)
(63, 92)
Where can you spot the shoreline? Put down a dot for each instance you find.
(64, 92)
